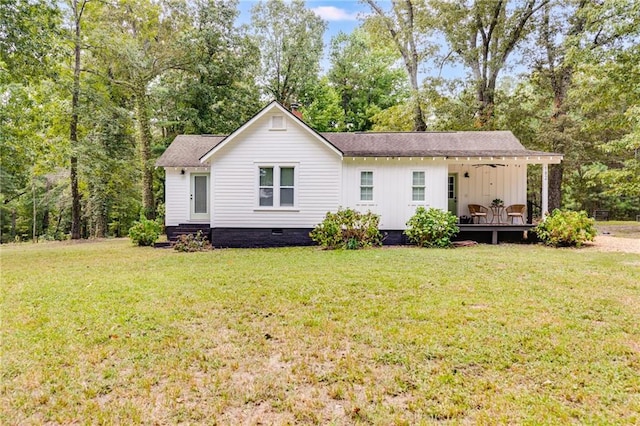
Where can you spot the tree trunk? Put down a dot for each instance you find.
(73, 129)
(555, 186)
(144, 149)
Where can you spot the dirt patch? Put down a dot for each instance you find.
(615, 244)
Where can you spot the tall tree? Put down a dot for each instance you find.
(77, 10)
(216, 91)
(143, 39)
(290, 40)
(408, 26)
(366, 84)
(483, 34)
(571, 33)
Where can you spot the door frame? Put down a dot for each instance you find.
(193, 216)
(455, 193)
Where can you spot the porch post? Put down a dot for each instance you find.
(545, 189)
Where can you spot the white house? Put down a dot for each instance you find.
(273, 179)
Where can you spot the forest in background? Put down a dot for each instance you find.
(92, 92)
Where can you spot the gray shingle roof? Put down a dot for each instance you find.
(186, 150)
(433, 144)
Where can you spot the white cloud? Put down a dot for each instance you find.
(331, 13)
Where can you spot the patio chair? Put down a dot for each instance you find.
(476, 211)
(514, 211)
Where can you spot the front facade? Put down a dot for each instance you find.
(272, 180)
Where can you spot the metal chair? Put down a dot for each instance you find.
(514, 211)
(476, 211)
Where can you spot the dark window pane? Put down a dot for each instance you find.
(266, 176)
(286, 176)
(266, 196)
(286, 196)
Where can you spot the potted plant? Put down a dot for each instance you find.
(497, 203)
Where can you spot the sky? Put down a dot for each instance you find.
(340, 15)
(345, 16)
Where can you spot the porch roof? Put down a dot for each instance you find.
(432, 144)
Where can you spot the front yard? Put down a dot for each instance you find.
(105, 332)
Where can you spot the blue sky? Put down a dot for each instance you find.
(340, 15)
(345, 16)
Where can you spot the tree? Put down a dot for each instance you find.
(366, 84)
(140, 41)
(483, 35)
(408, 26)
(77, 10)
(570, 34)
(215, 92)
(290, 40)
(29, 37)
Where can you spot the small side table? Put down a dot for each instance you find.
(496, 212)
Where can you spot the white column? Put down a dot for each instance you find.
(545, 190)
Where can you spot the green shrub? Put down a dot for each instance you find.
(347, 229)
(432, 227)
(564, 228)
(145, 232)
(191, 243)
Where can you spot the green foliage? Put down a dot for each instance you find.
(566, 228)
(145, 232)
(347, 229)
(432, 227)
(189, 243)
(290, 39)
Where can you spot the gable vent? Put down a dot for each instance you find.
(277, 122)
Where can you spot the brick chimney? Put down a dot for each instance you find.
(295, 110)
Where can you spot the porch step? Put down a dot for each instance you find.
(174, 232)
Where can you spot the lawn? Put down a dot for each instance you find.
(105, 332)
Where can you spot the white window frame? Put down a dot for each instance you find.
(372, 186)
(423, 186)
(276, 186)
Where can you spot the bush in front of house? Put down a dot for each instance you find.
(565, 228)
(347, 229)
(145, 232)
(432, 227)
(190, 243)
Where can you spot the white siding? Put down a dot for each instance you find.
(485, 183)
(177, 188)
(234, 182)
(392, 186)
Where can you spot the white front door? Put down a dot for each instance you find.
(199, 197)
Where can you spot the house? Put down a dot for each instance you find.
(273, 179)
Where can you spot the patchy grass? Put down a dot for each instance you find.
(618, 228)
(110, 333)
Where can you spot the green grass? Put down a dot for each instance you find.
(109, 333)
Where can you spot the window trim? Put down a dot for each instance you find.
(372, 186)
(423, 186)
(276, 186)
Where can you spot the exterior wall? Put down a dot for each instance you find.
(177, 194)
(235, 180)
(392, 187)
(485, 184)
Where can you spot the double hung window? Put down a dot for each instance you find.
(366, 185)
(418, 186)
(276, 186)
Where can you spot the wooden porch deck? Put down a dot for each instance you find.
(467, 231)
